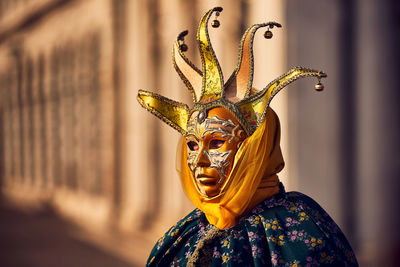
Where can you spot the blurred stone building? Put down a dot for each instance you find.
(74, 137)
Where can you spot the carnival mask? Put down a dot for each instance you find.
(212, 144)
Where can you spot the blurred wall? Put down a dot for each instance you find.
(345, 141)
(58, 104)
(73, 135)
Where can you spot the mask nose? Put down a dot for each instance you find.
(203, 160)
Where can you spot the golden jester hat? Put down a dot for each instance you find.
(208, 88)
(246, 185)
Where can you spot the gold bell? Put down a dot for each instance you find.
(183, 47)
(319, 87)
(268, 34)
(215, 23)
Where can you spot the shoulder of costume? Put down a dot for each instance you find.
(174, 237)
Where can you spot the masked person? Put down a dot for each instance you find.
(228, 160)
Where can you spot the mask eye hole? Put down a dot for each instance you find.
(216, 143)
(193, 146)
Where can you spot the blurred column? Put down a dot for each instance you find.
(36, 125)
(138, 164)
(173, 18)
(55, 115)
(18, 125)
(378, 131)
(83, 109)
(321, 123)
(9, 118)
(270, 63)
(29, 123)
(6, 142)
(42, 105)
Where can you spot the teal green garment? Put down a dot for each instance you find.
(288, 229)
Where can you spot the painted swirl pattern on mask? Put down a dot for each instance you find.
(218, 159)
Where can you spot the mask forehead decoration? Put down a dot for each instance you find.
(217, 125)
(212, 125)
(208, 88)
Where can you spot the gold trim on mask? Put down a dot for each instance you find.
(213, 81)
(256, 105)
(187, 71)
(240, 82)
(175, 114)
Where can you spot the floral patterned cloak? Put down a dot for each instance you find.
(288, 229)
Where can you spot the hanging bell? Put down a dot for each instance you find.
(268, 34)
(319, 87)
(201, 116)
(183, 47)
(215, 23)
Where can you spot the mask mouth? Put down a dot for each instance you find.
(203, 175)
(207, 180)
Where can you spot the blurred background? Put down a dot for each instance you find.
(87, 176)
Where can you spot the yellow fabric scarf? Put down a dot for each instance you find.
(252, 179)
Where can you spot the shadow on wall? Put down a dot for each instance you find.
(43, 239)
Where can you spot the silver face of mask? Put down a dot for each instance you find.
(215, 124)
(218, 159)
